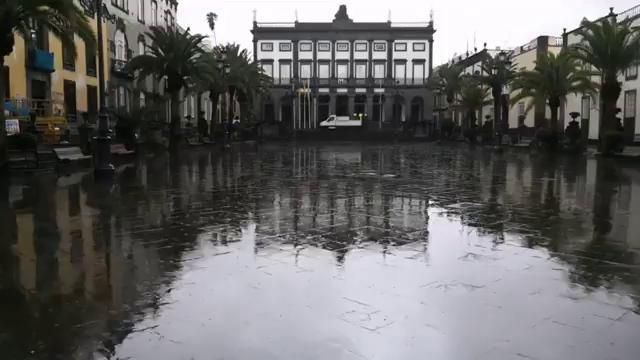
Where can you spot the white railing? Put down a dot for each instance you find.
(556, 41)
(630, 13)
(276, 24)
(411, 24)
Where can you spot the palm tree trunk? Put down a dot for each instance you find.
(554, 117)
(609, 92)
(3, 134)
(175, 117)
(497, 109)
(213, 96)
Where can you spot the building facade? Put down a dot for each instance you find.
(589, 106)
(524, 58)
(127, 39)
(374, 71)
(42, 75)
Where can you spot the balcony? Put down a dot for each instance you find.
(41, 60)
(119, 68)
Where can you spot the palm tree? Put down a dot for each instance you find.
(244, 80)
(553, 78)
(63, 19)
(177, 56)
(471, 98)
(212, 18)
(610, 47)
(451, 80)
(497, 72)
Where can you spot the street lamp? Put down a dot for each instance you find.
(102, 152)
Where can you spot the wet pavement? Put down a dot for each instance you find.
(325, 252)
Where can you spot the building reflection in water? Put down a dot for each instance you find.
(81, 263)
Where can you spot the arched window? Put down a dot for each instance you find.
(121, 45)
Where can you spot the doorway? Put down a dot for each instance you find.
(342, 105)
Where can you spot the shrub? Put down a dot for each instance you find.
(22, 141)
(613, 142)
(547, 138)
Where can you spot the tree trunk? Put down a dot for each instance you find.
(497, 109)
(213, 96)
(609, 93)
(175, 118)
(3, 129)
(554, 117)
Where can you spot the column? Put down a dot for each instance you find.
(369, 108)
(332, 66)
(294, 48)
(332, 104)
(352, 104)
(370, 61)
(352, 67)
(388, 107)
(389, 59)
(430, 58)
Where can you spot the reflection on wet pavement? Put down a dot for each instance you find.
(325, 252)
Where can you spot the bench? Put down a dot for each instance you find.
(524, 142)
(70, 154)
(193, 141)
(121, 150)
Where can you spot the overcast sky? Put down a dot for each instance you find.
(503, 23)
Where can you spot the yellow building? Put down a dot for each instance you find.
(44, 77)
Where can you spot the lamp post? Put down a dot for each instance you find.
(102, 151)
(224, 69)
(501, 70)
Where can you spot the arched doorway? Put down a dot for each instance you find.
(268, 111)
(417, 109)
(323, 107)
(398, 110)
(286, 112)
(360, 106)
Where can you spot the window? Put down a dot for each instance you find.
(361, 46)
(141, 11)
(142, 99)
(361, 70)
(629, 104)
(68, 61)
(7, 84)
(305, 71)
(90, 58)
(342, 46)
(632, 72)
(285, 70)
(69, 93)
(154, 13)
(267, 68)
(121, 4)
(586, 108)
(324, 70)
(266, 46)
(141, 48)
(324, 46)
(379, 46)
(419, 46)
(168, 19)
(418, 72)
(306, 46)
(342, 70)
(378, 70)
(400, 71)
(400, 46)
(285, 46)
(521, 108)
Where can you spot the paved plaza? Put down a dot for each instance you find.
(335, 251)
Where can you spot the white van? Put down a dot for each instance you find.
(334, 121)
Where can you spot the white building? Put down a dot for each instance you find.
(344, 67)
(589, 107)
